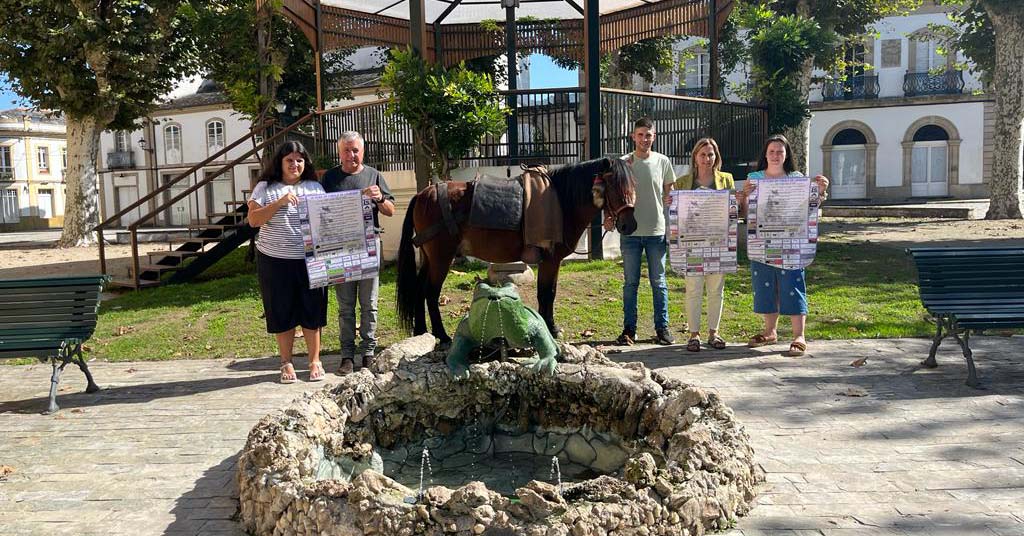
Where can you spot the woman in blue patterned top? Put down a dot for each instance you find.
(778, 291)
(280, 257)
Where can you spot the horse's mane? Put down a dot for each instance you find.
(574, 182)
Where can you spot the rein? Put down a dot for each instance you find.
(615, 216)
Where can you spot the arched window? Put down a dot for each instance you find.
(929, 162)
(214, 136)
(172, 144)
(121, 141)
(849, 164)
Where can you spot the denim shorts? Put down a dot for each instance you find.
(777, 290)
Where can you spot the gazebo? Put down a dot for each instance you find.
(549, 126)
(588, 121)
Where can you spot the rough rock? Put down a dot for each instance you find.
(671, 457)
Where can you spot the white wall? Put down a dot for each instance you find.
(890, 125)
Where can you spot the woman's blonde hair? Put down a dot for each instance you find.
(700, 145)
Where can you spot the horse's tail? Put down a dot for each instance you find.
(408, 289)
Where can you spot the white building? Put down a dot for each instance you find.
(177, 136)
(33, 156)
(910, 125)
(914, 126)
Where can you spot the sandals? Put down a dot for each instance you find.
(796, 349)
(760, 340)
(316, 372)
(347, 366)
(717, 342)
(288, 373)
(693, 345)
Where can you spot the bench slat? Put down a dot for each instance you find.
(48, 282)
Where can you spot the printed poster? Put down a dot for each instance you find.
(703, 231)
(337, 230)
(782, 222)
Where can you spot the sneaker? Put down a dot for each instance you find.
(627, 338)
(663, 336)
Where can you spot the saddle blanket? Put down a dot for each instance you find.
(497, 204)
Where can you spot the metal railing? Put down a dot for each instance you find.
(551, 129)
(388, 141)
(739, 129)
(950, 82)
(852, 88)
(120, 159)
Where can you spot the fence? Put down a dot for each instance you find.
(551, 129)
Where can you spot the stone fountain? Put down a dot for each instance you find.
(408, 449)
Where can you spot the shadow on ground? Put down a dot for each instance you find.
(75, 397)
(211, 506)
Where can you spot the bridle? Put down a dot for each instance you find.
(628, 201)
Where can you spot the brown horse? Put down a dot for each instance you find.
(583, 189)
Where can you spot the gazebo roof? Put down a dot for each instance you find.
(553, 27)
(472, 11)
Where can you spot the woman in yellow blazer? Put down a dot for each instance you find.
(706, 173)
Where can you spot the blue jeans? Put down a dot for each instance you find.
(632, 248)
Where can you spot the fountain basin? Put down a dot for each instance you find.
(639, 453)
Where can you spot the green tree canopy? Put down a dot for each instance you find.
(103, 64)
(450, 110)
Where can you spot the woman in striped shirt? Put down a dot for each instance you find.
(280, 257)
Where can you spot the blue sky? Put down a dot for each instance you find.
(544, 74)
(8, 99)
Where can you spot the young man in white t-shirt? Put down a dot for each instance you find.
(654, 174)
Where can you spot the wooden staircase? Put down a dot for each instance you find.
(210, 239)
(208, 243)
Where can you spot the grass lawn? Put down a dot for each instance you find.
(856, 291)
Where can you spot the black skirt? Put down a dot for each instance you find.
(287, 299)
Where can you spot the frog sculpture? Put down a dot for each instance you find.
(498, 320)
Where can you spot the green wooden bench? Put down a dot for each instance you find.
(970, 289)
(49, 318)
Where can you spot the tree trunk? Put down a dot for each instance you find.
(800, 135)
(81, 206)
(1008, 86)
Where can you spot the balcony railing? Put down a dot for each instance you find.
(120, 159)
(949, 82)
(6, 174)
(853, 88)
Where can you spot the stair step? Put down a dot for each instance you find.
(202, 241)
(128, 283)
(226, 215)
(173, 253)
(213, 226)
(234, 203)
(159, 268)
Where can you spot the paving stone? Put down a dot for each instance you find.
(155, 451)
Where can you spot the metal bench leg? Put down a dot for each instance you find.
(930, 362)
(972, 375)
(54, 382)
(80, 361)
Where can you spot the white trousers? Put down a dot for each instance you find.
(695, 287)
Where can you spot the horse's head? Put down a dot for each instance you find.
(615, 191)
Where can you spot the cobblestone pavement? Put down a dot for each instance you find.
(886, 448)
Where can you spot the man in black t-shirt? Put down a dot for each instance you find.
(353, 175)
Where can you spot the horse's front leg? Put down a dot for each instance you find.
(547, 285)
